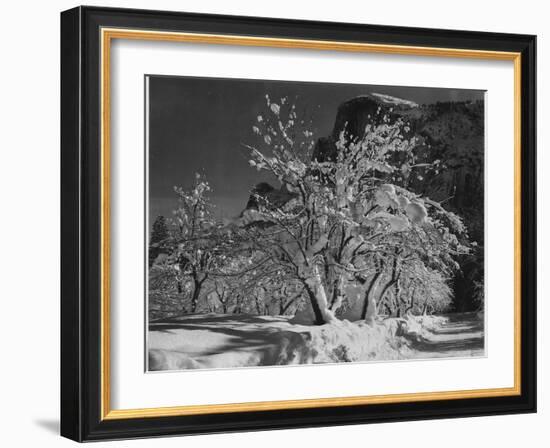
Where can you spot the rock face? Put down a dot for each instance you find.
(452, 132)
(263, 190)
(354, 114)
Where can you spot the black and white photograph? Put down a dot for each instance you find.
(305, 223)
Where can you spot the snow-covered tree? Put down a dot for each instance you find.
(159, 237)
(345, 219)
(194, 239)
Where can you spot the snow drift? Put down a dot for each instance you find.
(206, 341)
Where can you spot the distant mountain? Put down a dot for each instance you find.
(271, 195)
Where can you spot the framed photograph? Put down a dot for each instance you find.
(277, 224)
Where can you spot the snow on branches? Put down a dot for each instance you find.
(341, 232)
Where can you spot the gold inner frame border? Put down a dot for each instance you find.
(107, 36)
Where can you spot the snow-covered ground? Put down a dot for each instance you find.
(204, 341)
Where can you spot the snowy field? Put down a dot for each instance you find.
(209, 341)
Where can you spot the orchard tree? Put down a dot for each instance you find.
(345, 220)
(195, 239)
(159, 237)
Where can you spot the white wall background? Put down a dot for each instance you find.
(29, 227)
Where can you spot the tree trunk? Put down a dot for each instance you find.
(425, 308)
(258, 307)
(369, 305)
(337, 294)
(318, 298)
(397, 292)
(411, 302)
(197, 285)
(195, 297)
(393, 280)
(179, 284)
(314, 305)
(385, 290)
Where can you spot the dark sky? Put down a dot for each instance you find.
(200, 124)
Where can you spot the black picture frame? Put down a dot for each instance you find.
(81, 208)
